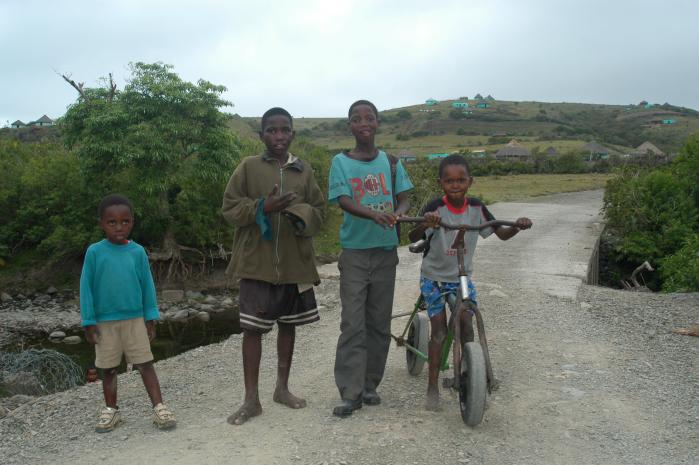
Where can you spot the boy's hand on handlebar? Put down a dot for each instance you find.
(431, 220)
(523, 223)
(275, 202)
(387, 220)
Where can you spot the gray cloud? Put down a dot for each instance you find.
(316, 57)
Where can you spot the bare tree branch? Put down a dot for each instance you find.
(76, 85)
(112, 88)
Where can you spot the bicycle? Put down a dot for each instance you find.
(473, 372)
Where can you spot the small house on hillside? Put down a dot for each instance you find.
(17, 124)
(406, 156)
(436, 156)
(459, 105)
(595, 151)
(482, 105)
(430, 102)
(669, 121)
(479, 153)
(478, 97)
(43, 121)
(490, 98)
(513, 151)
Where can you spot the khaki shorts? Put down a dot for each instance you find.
(122, 337)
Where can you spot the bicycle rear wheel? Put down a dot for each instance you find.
(472, 384)
(419, 338)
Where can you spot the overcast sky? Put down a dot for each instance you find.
(316, 57)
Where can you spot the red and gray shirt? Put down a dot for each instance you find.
(440, 263)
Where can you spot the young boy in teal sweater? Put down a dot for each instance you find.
(119, 310)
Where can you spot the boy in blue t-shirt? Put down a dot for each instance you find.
(361, 182)
(439, 273)
(119, 310)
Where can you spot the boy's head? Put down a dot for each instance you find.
(277, 131)
(116, 218)
(455, 178)
(363, 120)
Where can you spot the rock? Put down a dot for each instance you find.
(172, 295)
(227, 302)
(206, 307)
(57, 335)
(3, 412)
(179, 315)
(497, 293)
(585, 305)
(203, 316)
(22, 383)
(5, 297)
(194, 295)
(51, 290)
(11, 403)
(72, 340)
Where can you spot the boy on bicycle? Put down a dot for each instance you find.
(439, 274)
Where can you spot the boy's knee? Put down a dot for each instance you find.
(438, 337)
(144, 365)
(110, 371)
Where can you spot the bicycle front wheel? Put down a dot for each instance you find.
(472, 384)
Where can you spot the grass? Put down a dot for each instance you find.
(489, 188)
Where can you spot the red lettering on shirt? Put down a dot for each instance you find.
(357, 189)
(382, 178)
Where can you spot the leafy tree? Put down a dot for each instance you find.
(404, 115)
(164, 142)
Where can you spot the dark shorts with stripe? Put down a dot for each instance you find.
(262, 304)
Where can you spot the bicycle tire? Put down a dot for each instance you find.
(473, 384)
(419, 338)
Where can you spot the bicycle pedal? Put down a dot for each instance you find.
(448, 383)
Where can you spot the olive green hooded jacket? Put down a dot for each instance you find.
(288, 258)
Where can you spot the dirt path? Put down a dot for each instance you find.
(582, 382)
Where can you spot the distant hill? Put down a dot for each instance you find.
(424, 129)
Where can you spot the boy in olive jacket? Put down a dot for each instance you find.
(275, 204)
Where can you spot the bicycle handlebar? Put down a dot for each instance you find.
(460, 227)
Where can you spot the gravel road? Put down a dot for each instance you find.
(589, 376)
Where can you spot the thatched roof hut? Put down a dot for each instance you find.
(513, 151)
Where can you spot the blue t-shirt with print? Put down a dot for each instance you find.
(368, 183)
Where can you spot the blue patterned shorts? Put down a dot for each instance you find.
(434, 293)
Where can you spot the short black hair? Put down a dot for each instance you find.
(454, 159)
(363, 102)
(274, 112)
(111, 200)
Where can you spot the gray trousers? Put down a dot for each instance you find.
(367, 280)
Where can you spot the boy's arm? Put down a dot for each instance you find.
(504, 233)
(382, 218)
(87, 303)
(316, 203)
(238, 209)
(148, 295)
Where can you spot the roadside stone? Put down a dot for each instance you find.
(5, 297)
(203, 316)
(172, 295)
(179, 315)
(72, 340)
(205, 307)
(498, 293)
(210, 300)
(57, 335)
(194, 295)
(51, 290)
(227, 302)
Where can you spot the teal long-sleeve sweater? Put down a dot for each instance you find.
(116, 284)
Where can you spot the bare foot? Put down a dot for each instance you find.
(244, 413)
(284, 397)
(432, 401)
